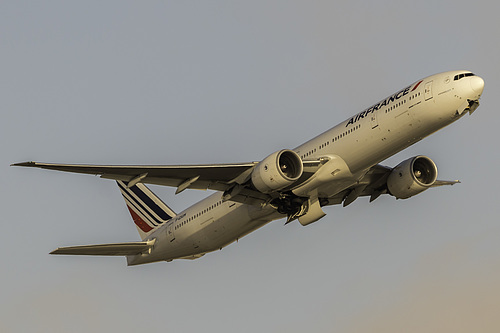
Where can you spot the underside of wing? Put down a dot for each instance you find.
(373, 184)
(210, 176)
(232, 179)
(116, 249)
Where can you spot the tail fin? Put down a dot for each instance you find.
(147, 210)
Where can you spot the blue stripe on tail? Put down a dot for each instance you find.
(147, 210)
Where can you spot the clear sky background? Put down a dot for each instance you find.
(178, 82)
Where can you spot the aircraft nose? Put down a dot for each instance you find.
(477, 84)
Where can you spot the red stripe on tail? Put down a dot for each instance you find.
(139, 222)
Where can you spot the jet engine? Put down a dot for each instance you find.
(412, 177)
(277, 171)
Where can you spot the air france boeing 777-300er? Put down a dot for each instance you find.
(335, 167)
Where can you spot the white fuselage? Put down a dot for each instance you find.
(362, 141)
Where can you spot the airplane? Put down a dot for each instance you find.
(335, 167)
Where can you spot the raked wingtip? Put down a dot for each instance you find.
(24, 164)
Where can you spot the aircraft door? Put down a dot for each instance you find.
(374, 120)
(428, 91)
(170, 232)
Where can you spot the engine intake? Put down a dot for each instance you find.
(277, 171)
(412, 177)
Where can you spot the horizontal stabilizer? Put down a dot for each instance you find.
(116, 249)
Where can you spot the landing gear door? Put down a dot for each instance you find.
(428, 91)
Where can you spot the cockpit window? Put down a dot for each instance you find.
(460, 76)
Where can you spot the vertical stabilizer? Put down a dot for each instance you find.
(147, 210)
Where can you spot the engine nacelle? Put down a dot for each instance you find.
(277, 171)
(412, 177)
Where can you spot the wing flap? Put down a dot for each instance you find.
(115, 249)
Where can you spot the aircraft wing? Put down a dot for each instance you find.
(219, 177)
(373, 184)
(116, 249)
(209, 176)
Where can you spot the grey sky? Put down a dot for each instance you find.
(200, 82)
